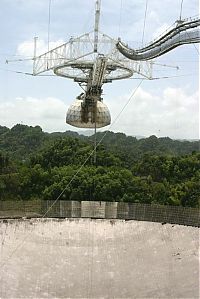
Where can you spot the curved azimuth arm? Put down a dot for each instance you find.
(184, 33)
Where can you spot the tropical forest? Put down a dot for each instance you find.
(35, 165)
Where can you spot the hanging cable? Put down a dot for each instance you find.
(3, 263)
(16, 72)
(136, 78)
(27, 74)
(88, 21)
(144, 25)
(193, 43)
(180, 18)
(165, 77)
(49, 23)
(95, 134)
(120, 18)
(92, 152)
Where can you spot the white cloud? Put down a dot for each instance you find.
(174, 113)
(49, 113)
(26, 48)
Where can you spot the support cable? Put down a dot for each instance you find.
(144, 25)
(92, 152)
(49, 23)
(3, 263)
(16, 72)
(133, 78)
(120, 17)
(95, 135)
(180, 18)
(96, 24)
(25, 73)
(193, 43)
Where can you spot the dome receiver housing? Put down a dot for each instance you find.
(83, 115)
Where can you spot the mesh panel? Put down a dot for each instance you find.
(96, 209)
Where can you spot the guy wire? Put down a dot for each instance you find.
(3, 263)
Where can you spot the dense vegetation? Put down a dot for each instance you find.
(38, 165)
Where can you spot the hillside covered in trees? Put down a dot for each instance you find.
(39, 165)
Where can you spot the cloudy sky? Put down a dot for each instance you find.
(164, 107)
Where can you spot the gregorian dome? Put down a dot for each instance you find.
(83, 116)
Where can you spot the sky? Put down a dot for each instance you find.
(163, 107)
